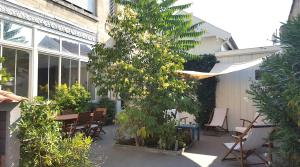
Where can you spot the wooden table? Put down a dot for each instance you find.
(68, 117)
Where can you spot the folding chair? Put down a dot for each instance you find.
(259, 119)
(246, 144)
(104, 113)
(218, 119)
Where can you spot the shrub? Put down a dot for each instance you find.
(277, 94)
(206, 88)
(111, 109)
(75, 98)
(41, 141)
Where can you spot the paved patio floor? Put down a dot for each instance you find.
(205, 153)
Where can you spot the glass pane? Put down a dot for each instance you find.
(22, 73)
(9, 64)
(91, 89)
(83, 74)
(53, 75)
(43, 76)
(48, 41)
(85, 49)
(74, 71)
(65, 71)
(17, 33)
(70, 47)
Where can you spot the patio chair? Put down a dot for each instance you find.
(259, 119)
(217, 119)
(243, 147)
(104, 113)
(82, 124)
(98, 122)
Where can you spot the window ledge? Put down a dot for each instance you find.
(76, 8)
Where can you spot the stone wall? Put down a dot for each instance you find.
(64, 11)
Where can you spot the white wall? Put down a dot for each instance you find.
(12, 145)
(209, 45)
(231, 88)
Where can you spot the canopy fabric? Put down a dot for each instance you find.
(220, 69)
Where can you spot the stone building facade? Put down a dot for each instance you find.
(46, 42)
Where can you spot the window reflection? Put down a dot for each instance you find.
(83, 74)
(65, 71)
(9, 63)
(43, 76)
(17, 33)
(74, 71)
(70, 47)
(17, 65)
(85, 49)
(53, 75)
(48, 41)
(22, 73)
(47, 75)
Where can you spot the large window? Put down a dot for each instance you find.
(70, 47)
(56, 53)
(17, 65)
(69, 71)
(85, 79)
(48, 41)
(17, 33)
(88, 5)
(47, 75)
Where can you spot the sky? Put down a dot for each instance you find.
(250, 22)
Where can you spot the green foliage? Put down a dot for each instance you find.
(167, 135)
(141, 66)
(136, 123)
(166, 18)
(75, 98)
(206, 88)
(277, 94)
(40, 138)
(75, 151)
(111, 109)
(4, 76)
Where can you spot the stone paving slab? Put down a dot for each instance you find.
(205, 153)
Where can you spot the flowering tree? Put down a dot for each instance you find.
(150, 46)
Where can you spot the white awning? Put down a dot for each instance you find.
(220, 69)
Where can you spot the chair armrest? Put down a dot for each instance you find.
(245, 120)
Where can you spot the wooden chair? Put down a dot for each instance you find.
(82, 124)
(104, 111)
(246, 144)
(259, 119)
(217, 119)
(98, 122)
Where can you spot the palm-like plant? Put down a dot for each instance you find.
(164, 17)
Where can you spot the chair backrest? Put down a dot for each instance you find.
(188, 118)
(67, 111)
(103, 110)
(98, 116)
(84, 118)
(219, 116)
(257, 136)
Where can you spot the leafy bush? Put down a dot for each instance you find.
(41, 141)
(136, 124)
(75, 98)
(111, 109)
(206, 88)
(277, 94)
